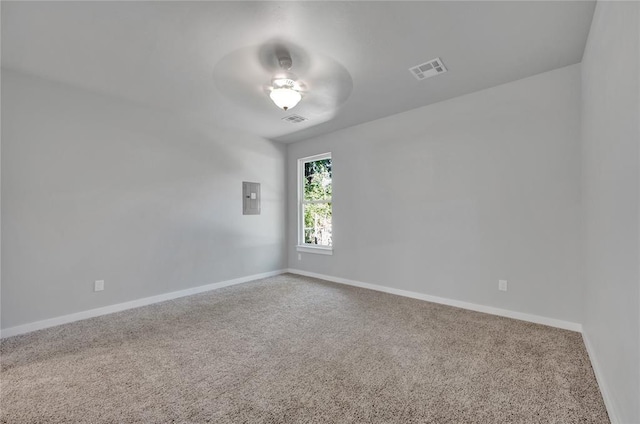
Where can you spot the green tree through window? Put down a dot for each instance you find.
(316, 202)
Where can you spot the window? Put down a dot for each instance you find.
(314, 204)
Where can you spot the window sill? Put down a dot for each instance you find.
(315, 249)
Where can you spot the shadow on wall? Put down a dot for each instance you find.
(104, 189)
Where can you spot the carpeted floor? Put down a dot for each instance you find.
(291, 349)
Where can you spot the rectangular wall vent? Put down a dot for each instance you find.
(294, 119)
(428, 69)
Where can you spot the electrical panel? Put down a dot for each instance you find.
(250, 198)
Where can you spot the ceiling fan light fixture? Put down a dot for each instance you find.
(285, 98)
(285, 94)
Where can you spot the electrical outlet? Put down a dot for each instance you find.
(98, 285)
(502, 285)
(299, 256)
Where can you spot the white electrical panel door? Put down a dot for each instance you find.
(250, 198)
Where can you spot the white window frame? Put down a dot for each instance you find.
(302, 246)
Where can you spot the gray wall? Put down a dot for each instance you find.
(449, 198)
(611, 137)
(95, 188)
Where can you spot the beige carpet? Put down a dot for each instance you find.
(291, 349)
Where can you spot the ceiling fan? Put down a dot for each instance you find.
(284, 74)
(286, 90)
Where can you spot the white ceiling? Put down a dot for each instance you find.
(190, 57)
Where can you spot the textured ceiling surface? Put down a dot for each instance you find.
(211, 60)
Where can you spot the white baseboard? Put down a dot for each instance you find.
(551, 322)
(52, 322)
(604, 389)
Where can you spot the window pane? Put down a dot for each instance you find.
(317, 180)
(317, 224)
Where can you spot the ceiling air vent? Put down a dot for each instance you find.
(428, 69)
(294, 119)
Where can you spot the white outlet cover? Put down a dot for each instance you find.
(502, 285)
(98, 285)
